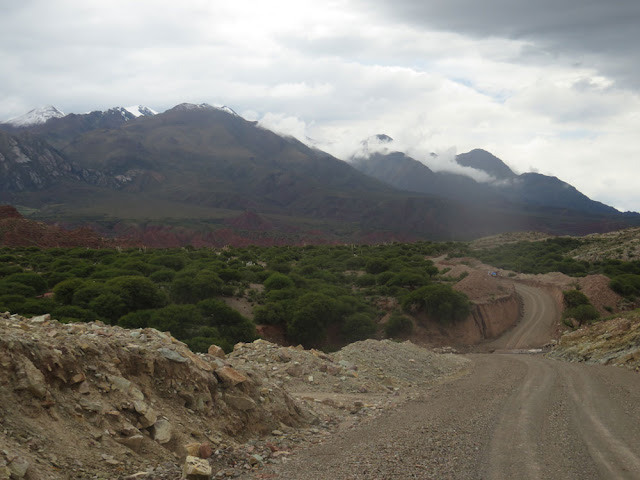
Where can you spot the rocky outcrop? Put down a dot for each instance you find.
(89, 400)
(17, 231)
(612, 342)
(139, 395)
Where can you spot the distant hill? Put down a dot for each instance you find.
(508, 190)
(198, 174)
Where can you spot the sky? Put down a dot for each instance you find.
(547, 86)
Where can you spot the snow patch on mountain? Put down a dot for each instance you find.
(226, 109)
(206, 106)
(37, 116)
(140, 111)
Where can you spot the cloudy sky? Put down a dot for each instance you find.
(547, 86)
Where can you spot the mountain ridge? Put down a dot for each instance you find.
(195, 165)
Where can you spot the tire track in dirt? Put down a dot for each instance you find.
(612, 438)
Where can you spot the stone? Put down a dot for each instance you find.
(239, 402)
(283, 355)
(230, 376)
(5, 473)
(196, 469)
(134, 442)
(140, 407)
(148, 419)
(162, 431)
(77, 378)
(205, 450)
(83, 388)
(295, 370)
(125, 386)
(32, 380)
(41, 318)
(192, 449)
(216, 351)
(172, 355)
(90, 406)
(18, 467)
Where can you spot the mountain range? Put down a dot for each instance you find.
(198, 171)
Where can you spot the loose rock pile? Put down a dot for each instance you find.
(94, 401)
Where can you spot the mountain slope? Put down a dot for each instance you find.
(487, 162)
(28, 163)
(37, 116)
(194, 167)
(525, 191)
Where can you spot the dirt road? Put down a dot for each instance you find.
(510, 416)
(539, 318)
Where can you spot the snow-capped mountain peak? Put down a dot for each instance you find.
(37, 116)
(224, 108)
(140, 111)
(206, 106)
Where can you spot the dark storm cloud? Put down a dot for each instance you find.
(604, 35)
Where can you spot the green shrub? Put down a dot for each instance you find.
(12, 302)
(573, 298)
(138, 293)
(582, 313)
(358, 326)
(108, 306)
(63, 292)
(627, 285)
(33, 280)
(278, 281)
(138, 319)
(15, 288)
(87, 292)
(439, 301)
(72, 313)
(164, 275)
(273, 313)
(176, 319)
(376, 265)
(232, 325)
(192, 287)
(398, 324)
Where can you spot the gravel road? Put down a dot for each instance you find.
(508, 416)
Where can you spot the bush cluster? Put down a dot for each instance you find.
(315, 293)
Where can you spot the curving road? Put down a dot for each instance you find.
(513, 416)
(540, 316)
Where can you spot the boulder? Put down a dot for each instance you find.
(162, 431)
(239, 402)
(18, 467)
(216, 351)
(172, 355)
(230, 377)
(205, 451)
(196, 469)
(31, 379)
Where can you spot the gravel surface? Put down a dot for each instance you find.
(505, 416)
(511, 416)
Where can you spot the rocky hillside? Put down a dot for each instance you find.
(94, 401)
(17, 231)
(611, 342)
